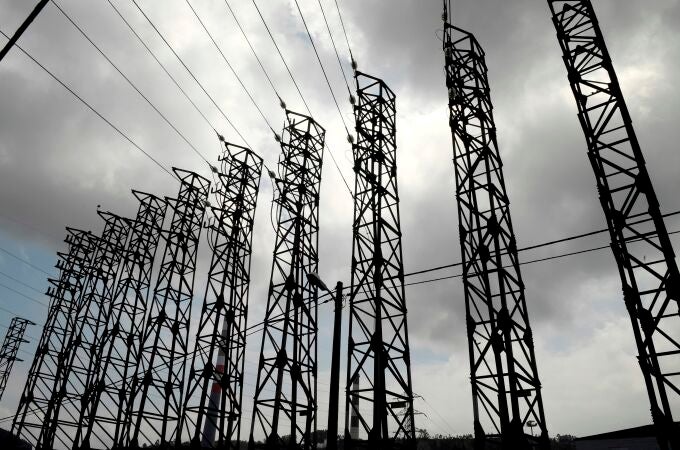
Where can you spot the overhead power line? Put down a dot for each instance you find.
(231, 68)
(24, 261)
(335, 48)
(252, 49)
(191, 73)
(344, 30)
(323, 69)
(91, 108)
(299, 91)
(130, 82)
(167, 72)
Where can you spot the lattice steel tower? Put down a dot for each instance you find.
(155, 405)
(10, 347)
(213, 404)
(37, 397)
(115, 356)
(506, 390)
(285, 402)
(640, 242)
(91, 312)
(378, 352)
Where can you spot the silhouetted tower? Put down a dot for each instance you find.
(37, 396)
(10, 347)
(378, 352)
(116, 352)
(640, 242)
(285, 404)
(506, 390)
(91, 312)
(155, 406)
(213, 404)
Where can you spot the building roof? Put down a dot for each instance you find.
(629, 433)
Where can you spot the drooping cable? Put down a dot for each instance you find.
(335, 48)
(231, 68)
(153, 55)
(129, 81)
(323, 69)
(91, 108)
(200, 85)
(344, 30)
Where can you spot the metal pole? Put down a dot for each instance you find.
(31, 17)
(332, 439)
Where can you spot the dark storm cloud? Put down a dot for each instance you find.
(58, 161)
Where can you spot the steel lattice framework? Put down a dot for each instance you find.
(36, 397)
(378, 352)
(10, 347)
(506, 390)
(91, 311)
(213, 404)
(640, 242)
(285, 405)
(155, 406)
(115, 356)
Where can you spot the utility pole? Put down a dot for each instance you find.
(332, 439)
(31, 17)
(10, 346)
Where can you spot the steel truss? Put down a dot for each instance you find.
(213, 404)
(378, 352)
(37, 396)
(91, 311)
(285, 405)
(115, 350)
(640, 242)
(10, 347)
(506, 390)
(155, 406)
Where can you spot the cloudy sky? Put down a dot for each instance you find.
(58, 161)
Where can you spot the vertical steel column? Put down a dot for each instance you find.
(285, 406)
(10, 347)
(155, 406)
(639, 238)
(108, 387)
(37, 396)
(213, 404)
(506, 390)
(378, 351)
(91, 311)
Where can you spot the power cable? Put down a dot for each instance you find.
(335, 48)
(252, 49)
(174, 80)
(24, 261)
(23, 295)
(544, 244)
(226, 60)
(127, 79)
(21, 282)
(299, 91)
(323, 69)
(91, 108)
(344, 30)
(212, 100)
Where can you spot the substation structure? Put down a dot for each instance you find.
(379, 402)
(115, 353)
(506, 390)
(285, 401)
(213, 405)
(639, 238)
(92, 310)
(154, 408)
(37, 398)
(10, 347)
